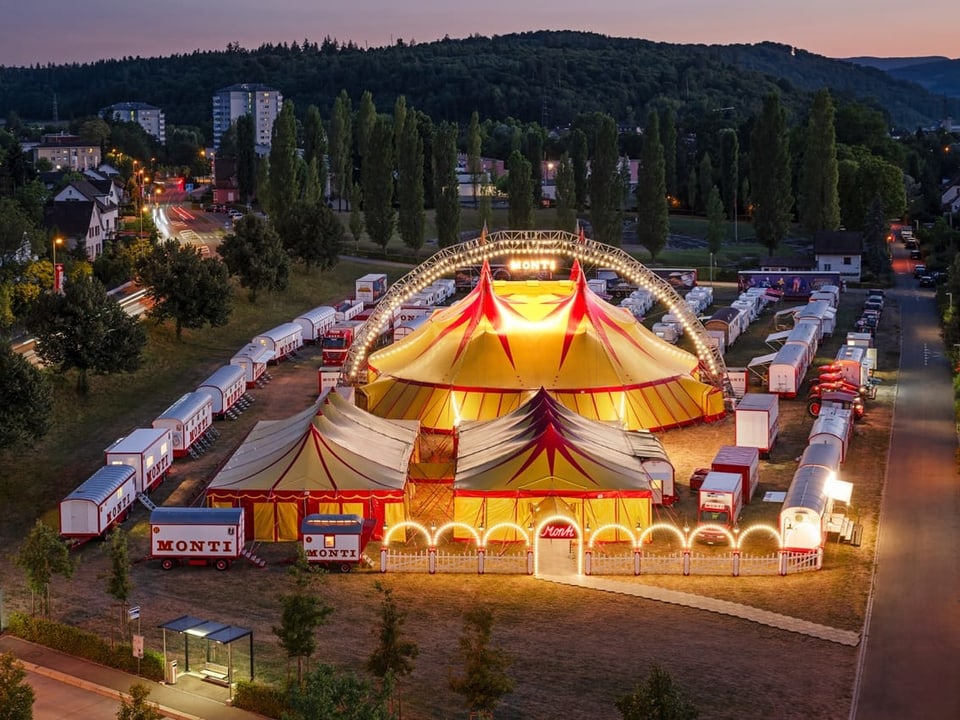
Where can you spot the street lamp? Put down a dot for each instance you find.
(56, 284)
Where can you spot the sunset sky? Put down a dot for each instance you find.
(57, 31)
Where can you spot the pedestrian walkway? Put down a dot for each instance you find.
(190, 699)
(699, 602)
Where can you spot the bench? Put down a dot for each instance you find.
(215, 673)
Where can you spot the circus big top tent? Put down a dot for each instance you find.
(330, 458)
(490, 352)
(542, 453)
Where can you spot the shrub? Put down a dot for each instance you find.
(80, 643)
(264, 699)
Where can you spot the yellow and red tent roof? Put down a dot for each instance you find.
(543, 448)
(490, 352)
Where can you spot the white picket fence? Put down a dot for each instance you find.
(676, 563)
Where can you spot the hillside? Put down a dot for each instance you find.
(941, 77)
(893, 63)
(548, 77)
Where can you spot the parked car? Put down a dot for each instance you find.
(915, 254)
(927, 281)
(919, 270)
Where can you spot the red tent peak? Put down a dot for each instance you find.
(576, 272)
(486, 277)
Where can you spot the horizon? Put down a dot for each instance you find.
(105, 31)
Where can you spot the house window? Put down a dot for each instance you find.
(848, 261)
(827, 267)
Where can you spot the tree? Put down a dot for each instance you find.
(27, 400)
(136, 707)
(410, 185)
(377, 177)
(356, 213)
(653, 221)
(19, 236)
(729, 170)
(474, 151)
(255, 254)
(330, 695)
(484, 681)
(534, 147)
(187, 288)
(315, 149)
(302, 612)
(520, 192)
(657, 699)
(863, 176)
(312, 233)
(668, 139)
(16, 695)
(119, 583)
(283, 161)
(705, 176)
(716, 221)
(94, 131)
(246, 157)
(41, 556)
(366, 119)
(770, 178)
(875, 249)
(400, 125)
(85, 329)
(579, 157)
(566, 195)
(819, 177)
(605, 185)
(393, 656)
(341, 146)
(446, 191)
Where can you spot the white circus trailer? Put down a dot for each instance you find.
(805, 511)
(821, 312)
(188, 419)
(314, 323)
(406, 313)
(805, 333)
(445, 288)
(787, 370)
(728, 320)
(822, 295)
(253, 359)
(822, 454)
(833, 290)
(336, 541)
(102, 501)
(149, 451)
(668, 332)
(715, 338)
(196, 536)
(852, 364)
(758, 421)
(742, 461)
(427, 296)
(371, 287)
(282, 340)
(832, 429)
(671, 319)
(348, 309)
(401, 330)
(225, 387)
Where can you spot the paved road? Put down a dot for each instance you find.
(911, 651)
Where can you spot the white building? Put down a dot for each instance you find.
(259, 101)
(150, 118)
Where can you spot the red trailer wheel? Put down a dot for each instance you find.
(167, 564)
(813, 407)
(345, 567)
(221, 564)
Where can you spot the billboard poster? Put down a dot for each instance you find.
(788, 285)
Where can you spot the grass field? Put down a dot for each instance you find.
(573, 650)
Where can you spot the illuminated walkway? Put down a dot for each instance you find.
(699, 602)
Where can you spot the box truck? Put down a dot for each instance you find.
(370, 288)
(743, 461)
(720, 502)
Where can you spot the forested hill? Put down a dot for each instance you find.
(545, 76)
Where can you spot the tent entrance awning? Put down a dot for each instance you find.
(213, 634)
(760, 366)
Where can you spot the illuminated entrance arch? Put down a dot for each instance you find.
(539, 243)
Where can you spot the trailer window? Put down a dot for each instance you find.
(329, 541)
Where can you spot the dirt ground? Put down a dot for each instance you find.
(574, 651)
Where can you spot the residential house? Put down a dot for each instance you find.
(950, 196)
(66, 152)
(839, 251)
(226, 189)
(79, 223)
